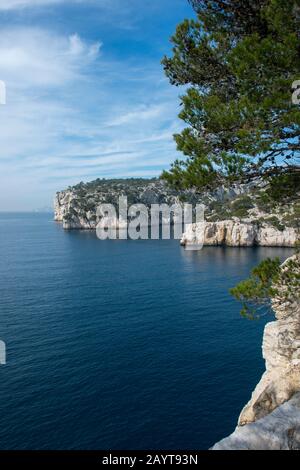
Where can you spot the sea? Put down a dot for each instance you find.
(121, 344)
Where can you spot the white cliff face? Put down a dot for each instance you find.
(226, 232)
(234, 233)
(271, 419)
(77, 207)
(60, 205)
(267, 236)
(280, 430)
(281, 351)
(65, 205)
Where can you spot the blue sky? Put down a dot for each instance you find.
(86, 94)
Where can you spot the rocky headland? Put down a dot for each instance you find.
(236, 216)
(76, 207)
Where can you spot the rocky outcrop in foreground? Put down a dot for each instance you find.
(281, 351)
(271, 419)
(280, 430)
(235, 233)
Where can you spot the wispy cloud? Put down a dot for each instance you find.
(141, 113)
(35, 57)
(14, 4)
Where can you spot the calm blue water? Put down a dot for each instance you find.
(120, 344)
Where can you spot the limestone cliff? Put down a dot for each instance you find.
(76, 207)
(236, 233)
(235, 216)
(281, 351)
(280, 430)
(271, 419)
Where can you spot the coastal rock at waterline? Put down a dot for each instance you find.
(271, 419)
(234, 233)
(62, 203)
(90, 223)
(269, 236)
(281, 351)
(280, 430)
(219, 233)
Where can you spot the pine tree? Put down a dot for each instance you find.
(239, 60)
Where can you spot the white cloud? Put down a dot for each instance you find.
(14, 4)
(79, 48)
(142, 113)
(31, 56)
(76, 45)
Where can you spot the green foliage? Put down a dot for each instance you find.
(273, 221)
(219, 210)
(102, 184)
(244, 202)
(241, 206)
(255, 293)
(293, 219)
(237, 17)
(224, 210)
(241, 213)
(239, 59)
(264, 202)
(284, 188)
(269, 280)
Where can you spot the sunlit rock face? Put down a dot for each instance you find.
(281, 351)
(280, 430)
(77, 207)
(235, 233)
(271, 419)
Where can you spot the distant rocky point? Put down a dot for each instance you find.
(76, 207)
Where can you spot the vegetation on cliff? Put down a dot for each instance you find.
(267, 281)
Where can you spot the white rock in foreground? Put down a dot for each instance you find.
(281, 351)
(271, 419)
(280, 430)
